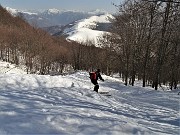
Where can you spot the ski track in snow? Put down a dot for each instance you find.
(37, 104)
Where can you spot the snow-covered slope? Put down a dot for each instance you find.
(43, 104)
(83, 35)
(92, 21)
(7, 68)
(86, 29)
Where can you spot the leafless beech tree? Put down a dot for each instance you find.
(146, 35)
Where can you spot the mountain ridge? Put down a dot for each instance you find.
(90, 29)
(53, 17)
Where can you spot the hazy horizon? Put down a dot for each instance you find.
(79, 5)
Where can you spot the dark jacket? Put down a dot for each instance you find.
(98, 76)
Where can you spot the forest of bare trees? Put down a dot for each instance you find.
(145, 35)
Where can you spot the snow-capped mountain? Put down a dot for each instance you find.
(89, 29)
(53, 17)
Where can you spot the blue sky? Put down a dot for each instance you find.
(82, 5)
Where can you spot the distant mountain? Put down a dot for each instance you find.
(53, 17)
(87, 29)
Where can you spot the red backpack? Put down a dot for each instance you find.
(92, 75)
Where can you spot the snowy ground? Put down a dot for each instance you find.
(37, 104)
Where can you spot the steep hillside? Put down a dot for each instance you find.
(22, 44)
(7, 20)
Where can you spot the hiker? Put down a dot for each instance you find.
(94, 77)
